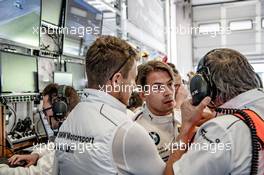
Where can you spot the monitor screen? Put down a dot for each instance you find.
(63, 78)
(46, 67)
(50, 39)
(78, 75)
(83, 23)
(19, 21)
(18, 73)
(51, 11)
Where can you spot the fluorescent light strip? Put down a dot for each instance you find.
(241, 25)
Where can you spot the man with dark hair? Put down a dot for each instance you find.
(228, 145)
(40, 161)
(51, 96)
(157, 115)
(114, 144)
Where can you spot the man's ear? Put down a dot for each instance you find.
(117, 79)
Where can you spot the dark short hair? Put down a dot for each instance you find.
(107, 56)
(51, 91)
(152, 66)
(173, 67)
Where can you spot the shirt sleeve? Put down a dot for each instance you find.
(135, 152)
(44, 149)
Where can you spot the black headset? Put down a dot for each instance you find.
(202, 85)
(60, 105)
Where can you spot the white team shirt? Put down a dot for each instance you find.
(233, 153)
(117, 144)
(162, 129)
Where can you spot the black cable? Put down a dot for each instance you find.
(254, 138)
(15, 119)
(37, 128)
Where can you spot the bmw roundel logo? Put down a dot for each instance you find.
(155, 136)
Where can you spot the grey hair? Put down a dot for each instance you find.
(231, 73)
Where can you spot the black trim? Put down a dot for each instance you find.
(233, 124)
(86, 95)
(166, 158)
(138, 115)
(151, 118)
(105, 115)
(206, 4)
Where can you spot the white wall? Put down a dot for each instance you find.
(248, 42)
(181, 48)
(145, 23)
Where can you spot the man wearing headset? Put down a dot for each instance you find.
(226, 142)
(157, 115)
(58, 101)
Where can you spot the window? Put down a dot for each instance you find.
(262, 23)
(207, 28)
(241, 25)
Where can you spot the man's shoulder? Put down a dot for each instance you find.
(223, 121)
(222, 127)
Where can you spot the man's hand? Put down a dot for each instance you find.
(181, 95)
(31, 159)
(192, 115)
(205, 117)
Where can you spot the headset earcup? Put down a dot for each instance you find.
(199, 88)
(59, 109)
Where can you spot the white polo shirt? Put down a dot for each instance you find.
(162, 129)
(116, 144)
(233, 153)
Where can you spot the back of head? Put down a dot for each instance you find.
(152, 66)
(230, 72)
(135, 101)
(68, 95)
(106, 56)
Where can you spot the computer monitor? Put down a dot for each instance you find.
(63, 78)
(18, 73)
(51, 11)
(19, 22)
(46, 68)
(83, 23)
(78, 75)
